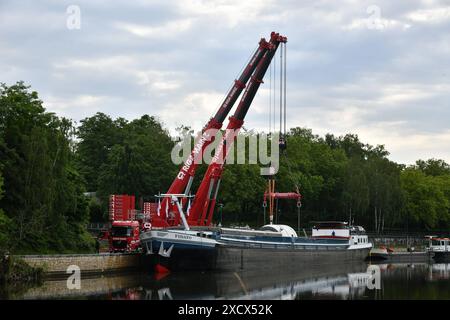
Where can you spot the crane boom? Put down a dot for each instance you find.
(204, 202)
(183, 181)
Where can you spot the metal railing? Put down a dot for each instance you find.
(98, 226)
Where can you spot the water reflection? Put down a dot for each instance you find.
(440, 271)
(398, 281)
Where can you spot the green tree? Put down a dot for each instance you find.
(425, 201)
(355, 193)
(385, 191)
(97, 136)
(140, 164)
(43, 193)
(433, 167)
(5, 224)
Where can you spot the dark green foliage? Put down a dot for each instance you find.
(241, 193)
(317, 169)
(5, 224)
(98, 135)
(344, 179)
(129, 158)
(43, 202)
(14, 271)
(96, 212)
(433, 167)
(45, 172)
(339, 177)
(427, 198)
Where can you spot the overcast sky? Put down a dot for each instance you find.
(380, 69)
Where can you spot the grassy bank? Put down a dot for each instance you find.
(15, 273)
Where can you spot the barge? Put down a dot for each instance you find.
(383, 255)
(272, 246)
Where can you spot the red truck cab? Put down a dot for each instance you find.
(124, 236)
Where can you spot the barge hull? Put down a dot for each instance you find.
(237, 259)
(441, 256)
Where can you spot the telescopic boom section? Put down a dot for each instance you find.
(185, 176)
(202, 208)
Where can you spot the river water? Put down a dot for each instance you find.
(382, 281)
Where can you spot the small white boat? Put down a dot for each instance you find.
(440, 248)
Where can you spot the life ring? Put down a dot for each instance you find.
(147, 225)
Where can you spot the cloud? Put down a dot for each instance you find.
(232, 13)
(159, 82)
(170, 29)
(408, 147)
(96, 64)
(177, 59)
(379, 24)
(435, 15)
(198, 107)
(73, 107)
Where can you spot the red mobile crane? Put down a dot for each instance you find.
(204, 202)
(169, 215)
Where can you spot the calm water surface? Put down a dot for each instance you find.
(397, 281)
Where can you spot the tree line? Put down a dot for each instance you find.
(51, 166)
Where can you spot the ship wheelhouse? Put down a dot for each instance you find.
(336, 229)
(437, 244)
(331, 229)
